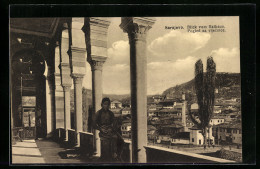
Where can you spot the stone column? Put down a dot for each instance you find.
(96, 43)
(58, 93)
(137, 28)
(49, 112)
(67, 123)
(65, 77)
(77, 53)
(77, 80)
(97, 92)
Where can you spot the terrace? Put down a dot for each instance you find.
(66, 63)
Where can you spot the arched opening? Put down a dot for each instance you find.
(28, 86)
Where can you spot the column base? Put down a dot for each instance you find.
(96, 155)
(77, 139)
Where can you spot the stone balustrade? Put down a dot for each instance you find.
(154, 154)
(86, 143)
(157, 155)
(72, 139)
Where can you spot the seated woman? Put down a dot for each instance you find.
(109, 129)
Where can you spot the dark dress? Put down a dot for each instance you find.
(106, 123)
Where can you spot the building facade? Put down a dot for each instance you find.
(48, 55)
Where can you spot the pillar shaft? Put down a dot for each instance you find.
(65, 77)
(138, 99)
(77, 54)
(49, 112)
(58, 90)
(95, 30)
(97, 92)
(137, 29)
(96, 68)
(78, 104)
(67, 124)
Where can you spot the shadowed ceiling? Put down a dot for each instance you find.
(45, 27)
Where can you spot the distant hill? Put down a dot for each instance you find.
(87, 97)
(228, 85)
(116, 97)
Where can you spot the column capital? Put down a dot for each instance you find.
(136, 27)
(66, 88)
(77, 78)
(97, 64)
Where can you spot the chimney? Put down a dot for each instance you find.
(183, 96)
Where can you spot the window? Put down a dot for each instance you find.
(199, 141)
(234, 138)
(192, 139)
(218, 120)
(240, 131)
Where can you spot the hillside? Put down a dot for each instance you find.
(227, 84)
(87, 97)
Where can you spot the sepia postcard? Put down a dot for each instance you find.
(125, 90)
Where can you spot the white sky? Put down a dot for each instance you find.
(171, 54)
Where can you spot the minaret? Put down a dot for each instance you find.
(183, 113)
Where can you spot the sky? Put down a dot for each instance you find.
(171, 54)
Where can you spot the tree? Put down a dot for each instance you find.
(205, 91)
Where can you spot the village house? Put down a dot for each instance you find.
(230, 132)
(217, 109)
(162, 121)
(165, 112)
(152, 132)
(178, 107)
(151, 107)
(157, 99)
(116, 104)
(171, 129)
(167, 104)
(166, 139)
(126, 130)
(196, 137)
(151, 113)
(189, 123)
(231, 116)
(181, 138)
(216, 120)
(126, 111)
